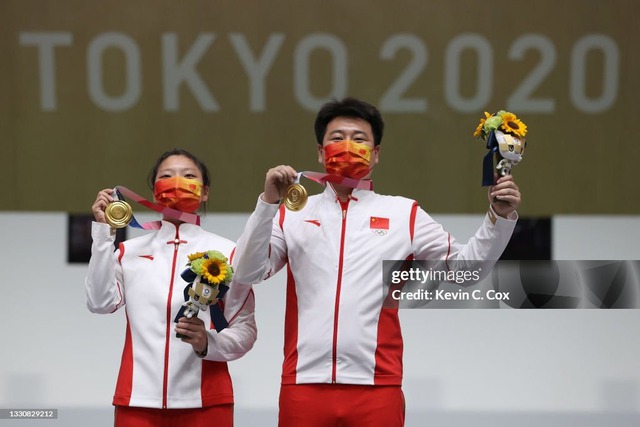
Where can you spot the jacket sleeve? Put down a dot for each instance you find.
(238, 338)
(104, 280)
(432, 242)
(261, 250)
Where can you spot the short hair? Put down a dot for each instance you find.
(349, 107)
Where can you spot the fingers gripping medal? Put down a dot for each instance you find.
(118, 213)
(296, 196)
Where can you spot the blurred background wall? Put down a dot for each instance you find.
(92, 92)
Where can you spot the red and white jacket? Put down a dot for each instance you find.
(336, 330)
(158, 370)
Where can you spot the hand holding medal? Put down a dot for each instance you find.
(295, 197)
(118, 213)
(347, 164)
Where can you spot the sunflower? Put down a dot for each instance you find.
(195, 256)
(214, 271)
(511, 124)
(478, 132)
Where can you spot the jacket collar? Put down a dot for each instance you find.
(169, 230)
(356, 195)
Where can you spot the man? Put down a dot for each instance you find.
(343, 350)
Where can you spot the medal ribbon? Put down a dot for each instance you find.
(323, 178)
(165, 211)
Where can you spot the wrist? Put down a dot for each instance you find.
(270, 200)
(201, 354)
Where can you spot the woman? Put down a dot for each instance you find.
(164, 379)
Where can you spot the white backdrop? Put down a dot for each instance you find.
(462, 367)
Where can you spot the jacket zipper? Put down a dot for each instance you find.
(336, 312)
(165, 383)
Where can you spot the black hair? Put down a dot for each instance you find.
(349, 107)
(151, 179)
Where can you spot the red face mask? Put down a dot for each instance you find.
(347, 158)
(178, 193)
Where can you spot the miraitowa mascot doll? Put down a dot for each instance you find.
(504, 134)
(209, 275)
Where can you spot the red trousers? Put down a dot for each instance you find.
(329, 405)
(212, 416)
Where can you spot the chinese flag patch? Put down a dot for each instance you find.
(377, 223)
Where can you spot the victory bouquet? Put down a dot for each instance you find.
(504, 135)
(208, 275)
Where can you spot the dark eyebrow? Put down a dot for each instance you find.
(343, 131)
(178, 170)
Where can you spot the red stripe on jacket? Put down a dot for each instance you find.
(124, 386)
(290, 363)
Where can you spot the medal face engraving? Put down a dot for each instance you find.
(296, 197)
(118, 214)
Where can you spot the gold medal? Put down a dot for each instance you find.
(118, 214)
(295, 197)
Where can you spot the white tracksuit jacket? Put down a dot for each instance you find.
(158, 370)
(335, 328)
